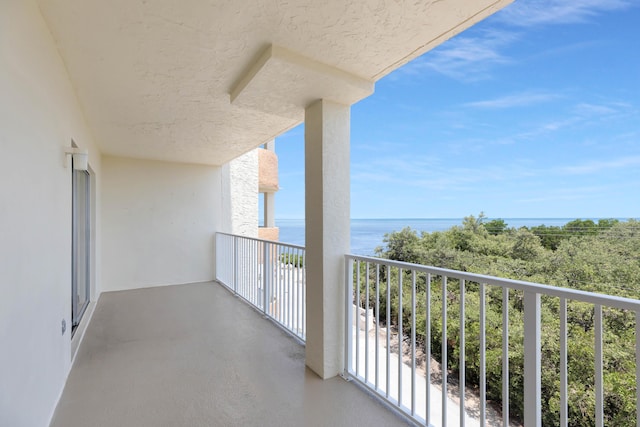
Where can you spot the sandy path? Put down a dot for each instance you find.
(472, 399)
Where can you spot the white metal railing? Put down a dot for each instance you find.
(268, 275)
(374, 354)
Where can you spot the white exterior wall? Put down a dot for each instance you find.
(240, 195)
(39, 115)
(160, 218)
(159, 222)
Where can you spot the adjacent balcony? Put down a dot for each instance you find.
(232, 352)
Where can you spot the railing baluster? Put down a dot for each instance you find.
(298, 286)
(266, 258)
(292, 284)
(444, 364)
(265, 278)
(248, 277)
(598, 364)
(241, 255)
(244, 269)
(388, 377)
(348, 315)
(483, 357)
(462, 351)
(400, 335)
(292, 292)
(289, 298)
(257, 278)
(563, 363)
(275, 265)
(366, 325)
(279, 272)
(219, 264)
(505, 356)
(427, 350)
(357, 314)
(296, 293)
(532, 372)
(281, 301)
(413, 342)
(235, 265)
(638, 368)
(217, 260)
(301, 292)
(285, 281)
(377, 325)
(304, 298)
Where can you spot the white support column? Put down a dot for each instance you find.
(327, 212)
(269, 197)
(269, 209)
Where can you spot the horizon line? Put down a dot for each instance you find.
(489, 218)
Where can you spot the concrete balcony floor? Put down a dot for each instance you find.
(195, 355)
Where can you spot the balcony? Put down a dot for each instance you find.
(454, 309)
(169, 100)
(232, 353)
(194, 354)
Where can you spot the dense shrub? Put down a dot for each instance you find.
(602, 257)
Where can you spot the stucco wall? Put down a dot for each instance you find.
(39, 115)
(240, 195)
(159, 222)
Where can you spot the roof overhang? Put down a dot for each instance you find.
(284, 83)
(202, 81)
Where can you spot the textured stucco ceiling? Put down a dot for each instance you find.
(155, 77)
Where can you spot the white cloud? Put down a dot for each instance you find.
(598, 166)
(471, 58)
(585, 109)
(564, 194)
(527, 13)
(465, 58)
(433, 174)
(580, 115)
(515, 100)
(386, 147)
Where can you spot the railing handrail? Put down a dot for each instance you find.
(557, 291)
(273, 242)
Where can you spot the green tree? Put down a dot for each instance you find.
(602, 257)
(495, 226)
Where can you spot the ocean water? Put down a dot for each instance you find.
(367, 234)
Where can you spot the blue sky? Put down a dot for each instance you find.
(532, 113)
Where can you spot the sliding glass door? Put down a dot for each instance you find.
(80, 282)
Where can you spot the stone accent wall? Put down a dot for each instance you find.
(268, 171)
(269, 233)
